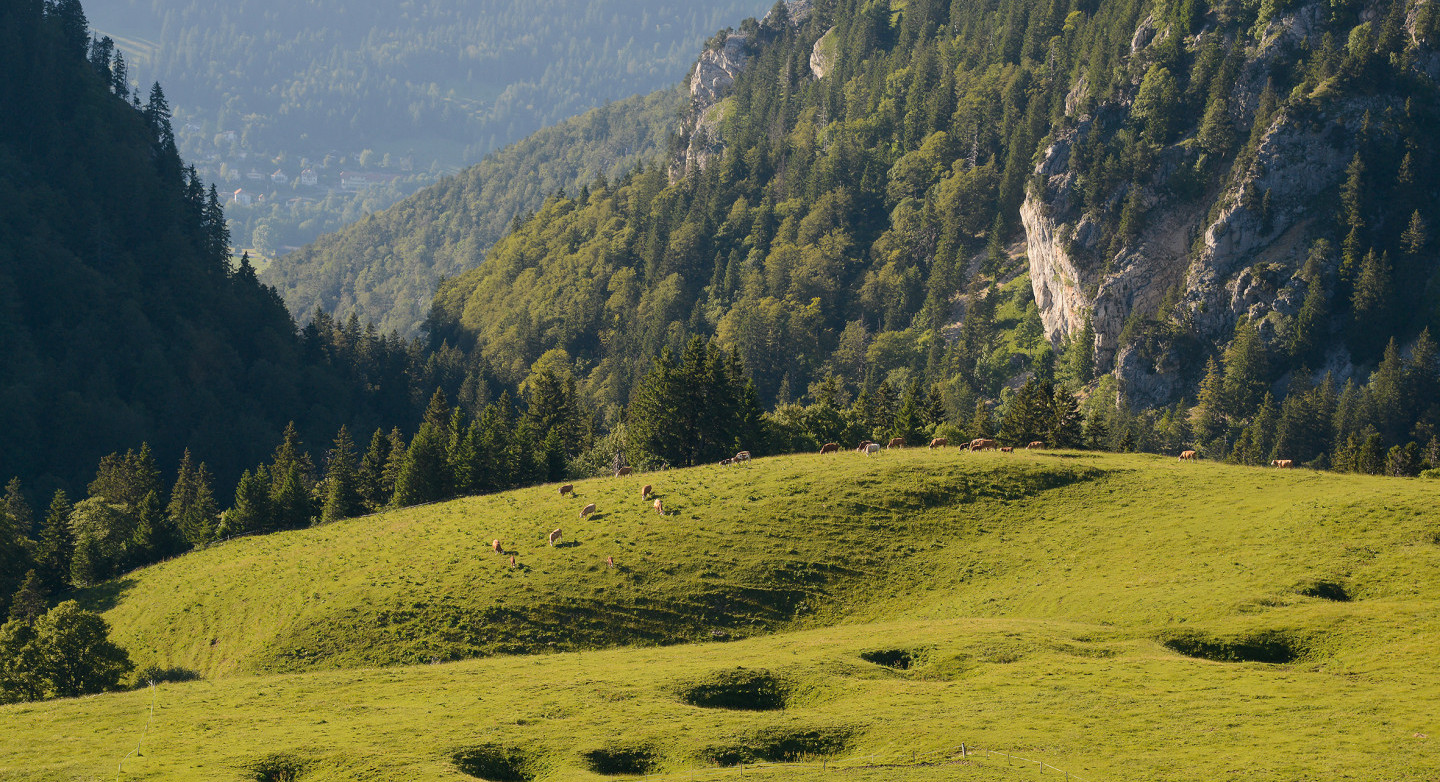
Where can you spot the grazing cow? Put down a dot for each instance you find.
(609, 562)
(872, 449)
(864, 444)
(555, 537)
(622, 471)
(1186, 456)
(566, 489)
(726, 462)
(587, 510)
(829, 448)
(981, 444)
(1283, 463)
(659, 507)
(645, 492)
(1007, 449)
(743, 456)
(1035, 445)
(939, 442)
(495, 544)
(895, 442)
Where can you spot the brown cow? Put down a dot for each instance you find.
(1186, 456)
(726, 462)
(587, 510)
(895, 442)
(609, 562)
(939, 442)
(495, 544)
(554, 537)
(566, 489)
(622, 471)
(1283, 463)
(645, 492)
(829, 448)
(659, 507)
(743, 456)
(981, 444)
(512, 561)
(1035, 445)
(862, 446)
(1007, 449)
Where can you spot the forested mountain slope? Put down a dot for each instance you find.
(358, 104)
(122, 319)
(1239, 181)
(386, 266)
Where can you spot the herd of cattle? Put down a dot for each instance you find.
(866, 447)
(978, 444)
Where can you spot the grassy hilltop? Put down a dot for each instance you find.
(1119, 617)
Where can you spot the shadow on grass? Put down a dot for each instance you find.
(103, 597)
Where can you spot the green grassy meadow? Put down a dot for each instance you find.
(878, 609)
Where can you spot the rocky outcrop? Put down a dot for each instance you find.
(711, 81)
(822, 56)
(1233, 252)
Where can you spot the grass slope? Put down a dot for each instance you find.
(1030, 603)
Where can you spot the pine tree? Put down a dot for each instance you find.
(290, 502)
(1210, 418)
(290, 455)
(982, 423)
(370, 475)
(252, 511)
(1310, 331)
(342, 498)
(908, 421)
(1065, 425)
(423, 475)
(29, 602)
(394, 462)
(1245, 371)
(56, 544)
(1352, 215)
(192, 505)
(1370, 321)
(1081, 353)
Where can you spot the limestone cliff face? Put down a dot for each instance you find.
(1233, 250)
(710, 83)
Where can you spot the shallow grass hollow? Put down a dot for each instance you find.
(495, 763)
(740, 689)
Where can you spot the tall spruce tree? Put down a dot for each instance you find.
(55, 545)
(342, 495)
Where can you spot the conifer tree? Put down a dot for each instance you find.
(56, 544)
(29, 602)
(252, 511)
(192, 509)
(1081, 353)
(342, 498)
(423, 473)
(1065, 425)
(369, 477)
(1210, 419)
(1308, 335)
(1245, 370)
(908, 420)
(290, 501)
(1370, 322)
(394, 462)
